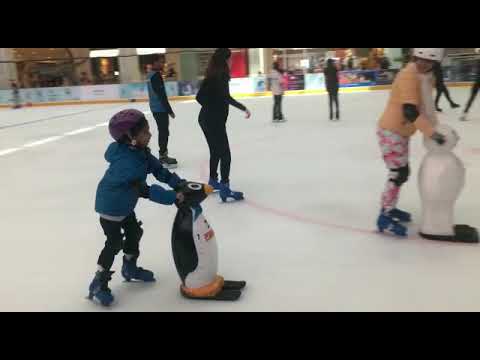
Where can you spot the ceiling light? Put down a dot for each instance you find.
(149, 51)
(104, 53)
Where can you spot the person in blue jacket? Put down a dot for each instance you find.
(117, 195)
(161, 109)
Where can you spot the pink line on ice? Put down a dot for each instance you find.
(288, 214)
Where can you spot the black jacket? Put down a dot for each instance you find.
(214, 97)
(159, 88)
(331, 78)
(438, 73)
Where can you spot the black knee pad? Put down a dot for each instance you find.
(402, 175)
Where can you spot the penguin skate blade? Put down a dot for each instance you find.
(224, 295)
(463, 234)
(234, 285)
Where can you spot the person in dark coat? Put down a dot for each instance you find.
(214, 97)
(441, 88)
(473, 93)
(332, 85)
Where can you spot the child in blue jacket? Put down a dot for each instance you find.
(118, 193)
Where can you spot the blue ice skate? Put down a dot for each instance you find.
(98, 289)
(226, 193)
(400, 215)
(130, 271)
(387, 223)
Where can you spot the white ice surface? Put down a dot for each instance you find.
(304, 239)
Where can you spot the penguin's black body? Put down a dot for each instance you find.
(195, 249)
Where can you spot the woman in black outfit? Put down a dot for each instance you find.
(214, 97)
(441, 88)
(331, 82)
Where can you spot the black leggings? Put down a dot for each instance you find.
(115, 239)
(277, 107)
(442, 89)
(162, 121)
(217, 139)
(333, 97)
(473, 95)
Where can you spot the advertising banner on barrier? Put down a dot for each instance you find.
(171, 88)
(296, 81)
(242, 86)
(356, 78)
(188, 88)
(314, 81)
(259, 84)
(34, 95)
(100, 92)
(5, 96)
(134, 91)
(385, 77)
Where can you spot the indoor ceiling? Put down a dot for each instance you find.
(22, 54)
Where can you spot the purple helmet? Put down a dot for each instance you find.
(122, 122)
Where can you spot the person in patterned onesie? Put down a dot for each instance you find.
(410, 108)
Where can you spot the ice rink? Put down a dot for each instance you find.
(304, 238)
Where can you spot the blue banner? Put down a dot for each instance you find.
(314, 81)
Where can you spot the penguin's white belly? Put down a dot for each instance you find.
(207, 252)
(441, 177)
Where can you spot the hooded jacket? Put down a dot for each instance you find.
(116, 196)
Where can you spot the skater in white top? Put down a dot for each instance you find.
(276, 85)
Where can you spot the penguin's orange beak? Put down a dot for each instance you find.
(208, 189)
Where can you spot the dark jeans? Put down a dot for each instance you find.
(277, 107)
(162, 121)
(217, 139)
(333, 98)
(473, 95)
(115, 239)
(442, 89)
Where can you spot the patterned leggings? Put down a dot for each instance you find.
(395, 151)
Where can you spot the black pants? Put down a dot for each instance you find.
(162, 121)
(115, 239)
(333, 97)
(473, 95)
(217, 139)
(277, 107)
(442, 89)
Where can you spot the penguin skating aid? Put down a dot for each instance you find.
(441, 180)
(195, 249)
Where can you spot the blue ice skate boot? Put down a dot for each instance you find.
(226, 193)
(400, 215)
(215, 184)
(98, 289)
(387, 223)
(130, 271)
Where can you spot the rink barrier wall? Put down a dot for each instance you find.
(129, 93)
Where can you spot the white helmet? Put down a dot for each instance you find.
(435, 54)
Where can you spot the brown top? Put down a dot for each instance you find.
(406, 89)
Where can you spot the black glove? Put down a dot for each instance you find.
(438, 138)
(142, 189)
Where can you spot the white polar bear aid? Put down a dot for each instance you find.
(440, 182)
